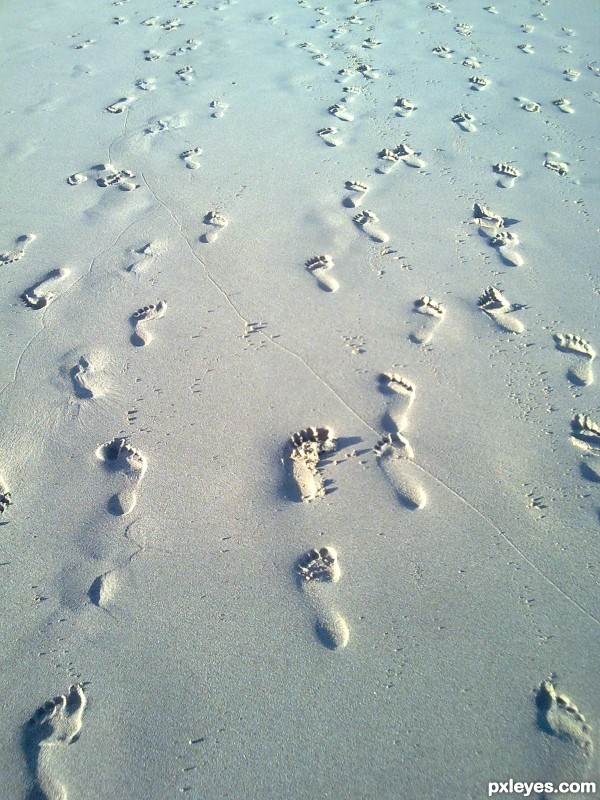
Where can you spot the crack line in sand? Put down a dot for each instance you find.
(354, 413)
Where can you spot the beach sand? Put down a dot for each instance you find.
(299, 452)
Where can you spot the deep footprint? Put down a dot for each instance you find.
(55, 724)
(118, 456)
(304, 452)
(140, 319)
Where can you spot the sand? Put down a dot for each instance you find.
(299, 453)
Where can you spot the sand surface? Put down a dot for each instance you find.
(299, 443)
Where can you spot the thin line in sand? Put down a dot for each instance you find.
(355, 414)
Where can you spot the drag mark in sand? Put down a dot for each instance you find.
(54, 725)
(118, 456)
(505, 536)
(316, 569)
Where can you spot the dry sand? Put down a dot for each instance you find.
(299, 454)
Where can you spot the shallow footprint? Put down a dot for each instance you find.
(319, 266)
(508, 174)
(215, 222)
(395, 418)
(142, 317)
(367, 222)
(330, 136)
(22, 243)
(465, 121)
(40, 295)
(314, 569)
(55, 724)
(435, 311)
(394, 455)
(357, 191)
(118, 456)
(581, 373)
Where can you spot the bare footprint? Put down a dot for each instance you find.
(54, 725)
(394, 455)
(395, 418)
(119, 178)
(404, 107)
(436, 313)
(585, 435)
(315, 569)
(215, 222)
(118, 107)
(508, 174)
(144, 256)
(341, 112)
(330, 136)
(357, 191)
(22, 243)
(5, 496)
(41, 294)
(367, 222)
(189, 157)
(319, 266)
(140, 318)
(493, 303)
(118, 456)
(302, 461)
(559, 716)
(580, 373)
(465, 121)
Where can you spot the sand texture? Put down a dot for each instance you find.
(299, 410)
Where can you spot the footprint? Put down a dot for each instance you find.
(395, 418)
(146, 84)
(435, 311)
(118, 456)
(189, 157)
(508, 174)
(186, 74)
(391, 160)
(564, 105)
(5, 496)
(581, 373)
(493, 303)
(142, 317)
(120, 106)
(471, 63)
(55, 724)
(357, 191)
(219, 107)
(39, 296)
(319, 266)
(341, 112)
(571, 74)
(403, 107)
(315, 569)
(103, 589)
(551, 162)
(585, 434)
(463, 28)
(118, 178)
(22, 243)
(479, 82)
(330, 136)
(465, 121)
(147, 253)
(367, 222)
(88, 376)
(302, 459)
(394, 455)
(442, 51)
(559, 716)
(529, 105)
(526, 48)
(152, 55)
(439, 7)
(215, 223)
